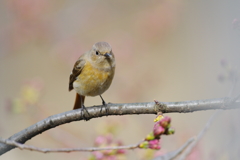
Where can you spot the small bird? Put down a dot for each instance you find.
(92, 74)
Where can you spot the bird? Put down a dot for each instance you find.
(92, 74)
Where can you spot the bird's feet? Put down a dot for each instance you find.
(105, 106)
(83, 114)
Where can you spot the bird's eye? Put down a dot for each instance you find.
(97, 53)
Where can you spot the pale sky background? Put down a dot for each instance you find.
(165, 50)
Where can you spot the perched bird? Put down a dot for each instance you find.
(92, 73)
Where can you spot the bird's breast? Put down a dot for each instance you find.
(93, 81)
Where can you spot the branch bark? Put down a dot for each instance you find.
(119, 109)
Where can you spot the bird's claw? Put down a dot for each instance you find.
(83, 113)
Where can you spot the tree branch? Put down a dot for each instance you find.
(118, 109)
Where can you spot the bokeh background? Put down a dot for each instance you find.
(166, 50)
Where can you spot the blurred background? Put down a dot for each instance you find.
(165, 50)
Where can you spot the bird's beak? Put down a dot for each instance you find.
(107, 55)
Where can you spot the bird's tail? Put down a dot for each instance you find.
(79, 101)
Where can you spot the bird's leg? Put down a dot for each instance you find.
(83, 113)
(103, 102)
(104, 105)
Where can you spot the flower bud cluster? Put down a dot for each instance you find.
(161, 127)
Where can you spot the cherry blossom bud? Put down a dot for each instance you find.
(144, 144)
(150, 136)
(158, 130)
(170, 131)
(154, 144)
(158, 118)
(121, 151)
(98, 155)
(165, 122)
(100, 140)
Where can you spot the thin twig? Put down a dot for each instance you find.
(173, 154)
(47, 150)
(199, 136)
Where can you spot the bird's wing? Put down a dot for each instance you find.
(77, 69)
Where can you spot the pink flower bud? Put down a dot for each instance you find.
(165, 122)
(119, 143)
(98, 155)
(109, 138)
(100, 140)
(158, 130)
(154, 144)
(121, 151)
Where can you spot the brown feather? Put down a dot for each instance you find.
(79, 101)
(77, 69)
